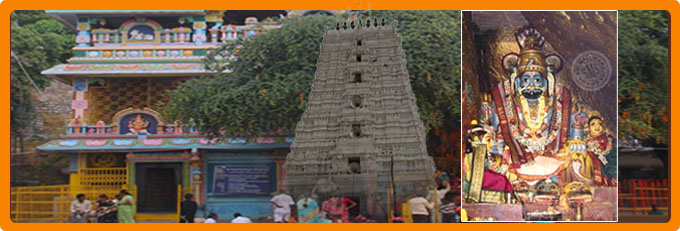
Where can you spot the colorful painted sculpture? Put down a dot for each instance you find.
(600, 146)
(534, 115)
(138, 125)
(532, 129)
(529, 110)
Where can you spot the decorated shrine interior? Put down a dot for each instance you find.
(539, 121)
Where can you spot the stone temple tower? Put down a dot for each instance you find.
(360, 136)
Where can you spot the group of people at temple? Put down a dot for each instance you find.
(307, 210)
(117, 210)
(188, 209)
(441, 202)
(335, 209)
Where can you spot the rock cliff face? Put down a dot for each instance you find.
(51, 110)
(576, 36)
(361, 131)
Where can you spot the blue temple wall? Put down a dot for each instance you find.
(253, 206)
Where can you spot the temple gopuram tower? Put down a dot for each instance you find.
(360, 136)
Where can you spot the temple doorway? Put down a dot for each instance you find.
(356, 210)
(157, 186)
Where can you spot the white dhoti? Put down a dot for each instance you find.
(281, 216)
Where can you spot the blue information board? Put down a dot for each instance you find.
(241, 180)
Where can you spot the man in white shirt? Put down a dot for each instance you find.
(282, 204)
(212, 218)
(80, 209)
(420, 209)
(240, 219)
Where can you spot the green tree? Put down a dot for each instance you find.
(643, 76)
(272, 75)
(431, 41)
(39, 42)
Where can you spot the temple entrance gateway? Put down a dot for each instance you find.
(157, 186)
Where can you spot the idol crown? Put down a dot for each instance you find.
(530, 40)
(531, 56)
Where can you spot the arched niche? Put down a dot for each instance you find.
(141, 31)
(122, 119)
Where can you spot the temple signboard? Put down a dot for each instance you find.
(241, 180)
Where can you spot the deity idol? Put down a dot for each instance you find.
(138, 125)
(535, 117)
(601, 146)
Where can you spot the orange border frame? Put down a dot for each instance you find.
(7, 6)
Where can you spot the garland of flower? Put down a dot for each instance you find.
(532, 145)
(534, 124)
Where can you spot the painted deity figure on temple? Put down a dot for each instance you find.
(538, 124)
(138, 125)
(138, 35)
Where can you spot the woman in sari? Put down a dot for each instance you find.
(338, 208)
(126, 211)
(601, 148)
(308, 211)
(106, 213)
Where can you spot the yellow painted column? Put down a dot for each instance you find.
(74, 183)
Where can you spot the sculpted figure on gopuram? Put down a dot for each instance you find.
(533, 131)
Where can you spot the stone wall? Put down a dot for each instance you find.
(52, 109)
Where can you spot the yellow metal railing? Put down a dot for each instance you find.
(96, 181)
(52, 203)
(40, 203)
(102, 178)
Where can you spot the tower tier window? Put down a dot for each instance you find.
(357, 77)
(356, 130)
(357, 101)
(354, 164)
